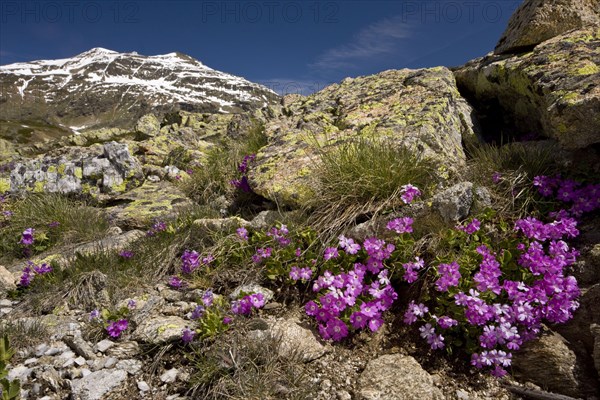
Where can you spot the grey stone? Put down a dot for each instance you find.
(252, 288)
(80, 361)
(454, 203)
(50, 378)
(148, 125)
(110, 362)
(124, 350)
(96, 385)
(132, 366)
(104, 345)
(7, 280)
(396, 377)
(143, 386)
(19, 372)
(80, 346)
(549, 363)
(169, 376)
(596, 353)
(296, 340)
(160, 329)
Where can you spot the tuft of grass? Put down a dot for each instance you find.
(362, 178)
(24, 333)
(518, 163)
(77, 223)
(238, 368)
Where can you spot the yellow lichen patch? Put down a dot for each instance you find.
(4, 185)
(78, 173)
(588, 69)
(38, 187)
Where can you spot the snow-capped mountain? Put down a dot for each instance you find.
(101, 87)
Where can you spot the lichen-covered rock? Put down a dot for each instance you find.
(160, 329)
(151, 201)
(536, 21)
(421, 110)
(109, 169)
(454, 203)
(297, 340)
(148, 125)
(552, 91)
(397, 377)
(549, 363)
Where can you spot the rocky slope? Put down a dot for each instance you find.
(134, 174)
(100, 88)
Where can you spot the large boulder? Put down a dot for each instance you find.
(421, 110)
(536, 21)
(552, 91)
(150, 202)
(549, 363)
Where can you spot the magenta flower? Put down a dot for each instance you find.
(115, 328)
(227, 320)
(401, 225)
(176, 282)
(496, 177)
(187, 335)
(27, 237)
(409, 193)
(336, 329)
(126, 253)
(242, 233)
(190, 260)
(208, 298)
(197, 313)
(331, 252)
(94, 315)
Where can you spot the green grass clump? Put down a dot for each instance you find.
(235, 367)
(361, 178)
(77, 223)
(517, 164)
(24, 333)
(211, 180)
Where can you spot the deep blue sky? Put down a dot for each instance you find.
(284, 44)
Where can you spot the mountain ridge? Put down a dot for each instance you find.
(102, 87)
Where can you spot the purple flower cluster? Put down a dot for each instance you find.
(157, 227)
(31, 271)
(115, 328)
(508, 312)
(303, 274)
(471, 227)
(242, 233)
(27, 237)
(280, 235)
(348, 245)
(187, 335)
(245, 305)
(177, 283)
(401, 225)
(243, 168)
(261, 254)
(409, 193)
(357, 297)
(449, 276)
(190, 261)
(583, 199)
(126, 254)
(411, 268)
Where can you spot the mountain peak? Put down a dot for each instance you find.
(124, 86)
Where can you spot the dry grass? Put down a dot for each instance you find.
(236, 367)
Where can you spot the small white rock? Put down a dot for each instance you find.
(143, 386)
(30, 361)
(169, 376)
(85, 372)
(104, 345)
(80, 361)
(110, 362)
